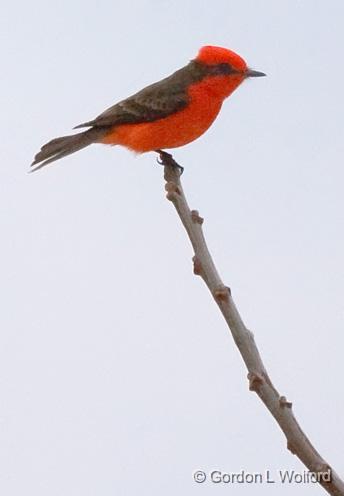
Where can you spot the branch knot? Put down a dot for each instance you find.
(172, 190)
(196, 217)
(255, 381)
(197, 266)
(222, 293)
(291, 447)
(284, 403)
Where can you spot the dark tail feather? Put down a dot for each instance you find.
(60, 147)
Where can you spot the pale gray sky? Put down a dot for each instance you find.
(117, 372)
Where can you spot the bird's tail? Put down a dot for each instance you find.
(60, 147)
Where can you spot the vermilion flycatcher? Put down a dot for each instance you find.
(166, 114)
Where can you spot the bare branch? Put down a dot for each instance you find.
(259, 380)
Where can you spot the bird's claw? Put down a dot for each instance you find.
(165, 158)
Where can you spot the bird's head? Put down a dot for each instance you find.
(225, 66)
(227, 60)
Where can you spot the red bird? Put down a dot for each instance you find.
(166, 114)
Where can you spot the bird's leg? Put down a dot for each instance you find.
(167, 159)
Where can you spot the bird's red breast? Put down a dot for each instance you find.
(177, 129)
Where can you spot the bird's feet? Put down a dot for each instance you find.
(167, 159)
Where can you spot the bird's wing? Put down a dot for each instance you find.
(154, 102)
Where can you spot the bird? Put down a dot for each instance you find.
(164, 115)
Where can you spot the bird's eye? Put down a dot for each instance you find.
(223, 69)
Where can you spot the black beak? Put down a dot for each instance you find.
(252, 73)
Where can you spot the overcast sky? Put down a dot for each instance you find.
(117, 372)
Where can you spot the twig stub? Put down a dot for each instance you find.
(255, 381)
(197, 266)
(196, 217)
(284, 403)
(172, 190)
(222, 293)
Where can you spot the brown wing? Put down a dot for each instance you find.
(153, 102)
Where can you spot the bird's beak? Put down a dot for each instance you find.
(252, 73)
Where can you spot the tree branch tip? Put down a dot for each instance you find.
(284, 403)
(196, 218)
(255, 381)
(222, 293)
(197, 266)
